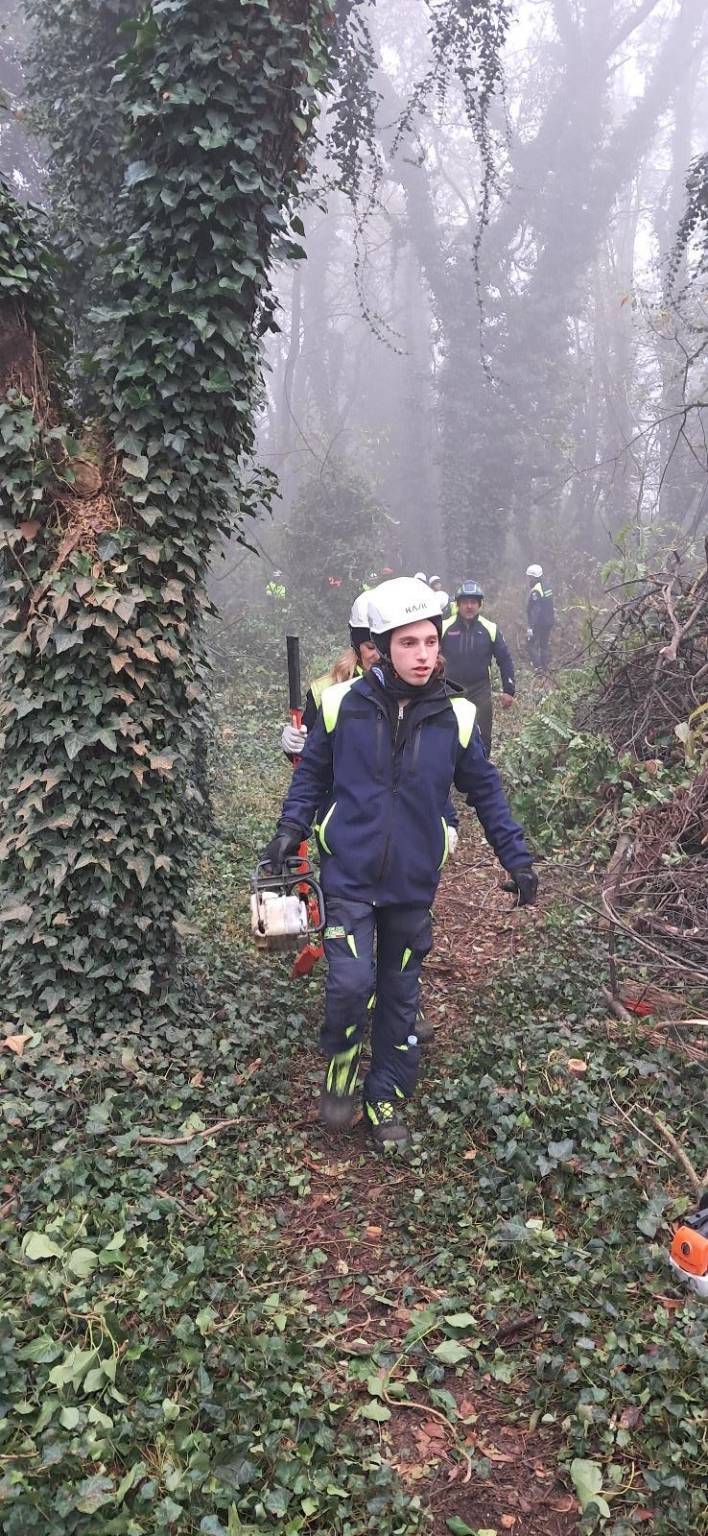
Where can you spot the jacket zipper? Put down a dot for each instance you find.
(394, 787)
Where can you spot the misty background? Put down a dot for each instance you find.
(461, 397)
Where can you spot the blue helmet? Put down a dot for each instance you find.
(469, 589)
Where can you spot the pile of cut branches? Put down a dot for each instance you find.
(656, 884)
(651, 663)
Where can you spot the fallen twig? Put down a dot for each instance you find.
(181, 1141)
(681, 1156)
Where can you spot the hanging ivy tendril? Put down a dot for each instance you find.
(466, 43)
(694, 224)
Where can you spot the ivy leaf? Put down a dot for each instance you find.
(137, 467)
(451, 1352)
(460, 1320)
(41, 1350)
(137, 170)
(94, 1493)
(650, 1220)
(142, 982)
(19, 914)
(374, 1410)
(82, 1262)
(36, 1246)
(587, 1481)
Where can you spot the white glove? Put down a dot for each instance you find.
(452, 841)
(293, 739)
(529, 634)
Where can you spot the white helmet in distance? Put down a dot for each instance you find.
(402, 601)
(359, 616)
(359, 623)
(420, 576)
(535, 571)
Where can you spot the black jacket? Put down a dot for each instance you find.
(469, 650)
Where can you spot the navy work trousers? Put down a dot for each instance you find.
(539, 647)
(374, 955)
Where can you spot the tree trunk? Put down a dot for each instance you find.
(107, 537)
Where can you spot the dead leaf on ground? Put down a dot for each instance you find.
(492, 1454)
(577, 1065)
(16, 1044)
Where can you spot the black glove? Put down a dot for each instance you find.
(523, 885)
(286, 841)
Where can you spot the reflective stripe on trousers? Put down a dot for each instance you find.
(376, 951)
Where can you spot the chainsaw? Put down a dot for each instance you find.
(287, 910)
(689, 1250)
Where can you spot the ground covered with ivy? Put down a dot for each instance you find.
(219, 1319)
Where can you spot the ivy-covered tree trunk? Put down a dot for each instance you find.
(108, 524)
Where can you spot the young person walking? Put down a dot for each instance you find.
(378, 767)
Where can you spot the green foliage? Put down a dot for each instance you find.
(567, 785)
(103, 661)
(175, 1356)
(76, 115)
(563, 1216)
(166, 1364)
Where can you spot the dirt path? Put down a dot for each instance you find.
(345, 1217)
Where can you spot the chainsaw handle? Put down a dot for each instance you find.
(309, 882)
(294, 683)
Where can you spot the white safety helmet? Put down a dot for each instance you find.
(402, 601)
(420, 576)
(359, 616)
(535, 571)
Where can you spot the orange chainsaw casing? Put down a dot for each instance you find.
(689, 1251)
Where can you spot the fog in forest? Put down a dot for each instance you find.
(423, 414)
(474, 370)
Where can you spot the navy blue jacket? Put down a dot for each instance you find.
(469, 650)
(540, 610)
(380, 780)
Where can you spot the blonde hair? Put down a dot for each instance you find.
(345, 666)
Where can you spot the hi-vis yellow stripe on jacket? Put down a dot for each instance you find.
(381, 781)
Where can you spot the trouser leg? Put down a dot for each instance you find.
(481, 696)
(351, 978)
(533, 649)
(404, 936)
(544, 647)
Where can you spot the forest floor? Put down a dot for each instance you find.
(222, 1319)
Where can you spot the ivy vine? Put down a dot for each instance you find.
(108, 524)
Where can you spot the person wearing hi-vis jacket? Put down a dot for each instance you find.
(378, 767)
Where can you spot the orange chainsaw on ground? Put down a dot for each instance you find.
(689, 1250)
(311, 950)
